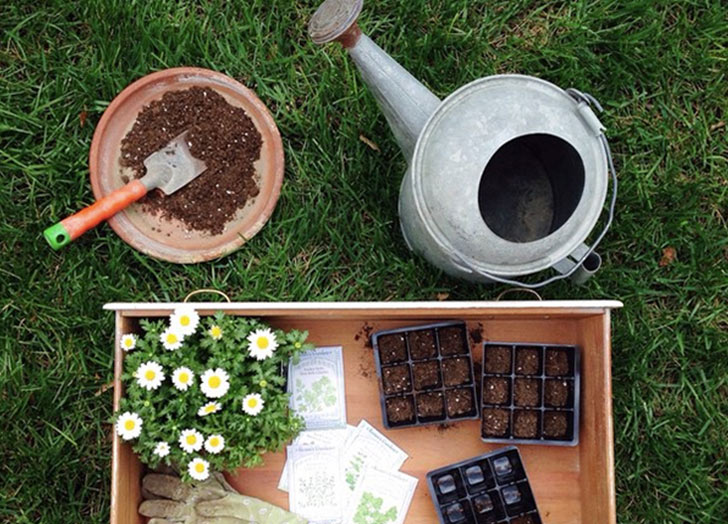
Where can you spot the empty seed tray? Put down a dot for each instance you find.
(425, 375)
(487, 489)
(530, 394)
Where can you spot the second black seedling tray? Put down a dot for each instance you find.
(545, 378)
(487, 489)
(439, 351)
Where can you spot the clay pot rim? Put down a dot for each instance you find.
(276, 171)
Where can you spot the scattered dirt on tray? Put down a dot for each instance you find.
(557, 362)
(497, 359)
(365, 332)
(526, 392)
(400, 409)
(555, 424)
(426, 374)
(459, 402)
(452, 341)
(456, 371)
(392, 348)
(442, 428)
(476, 334)
(556, 393)
(220, 134)
(495, 390)
(422, 344)
(396, 379)
(495, 422)
(527, 361)
(525, 424)
(431, 405)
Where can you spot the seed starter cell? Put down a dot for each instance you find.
(501, 494)
(429, 365)
(530, 393)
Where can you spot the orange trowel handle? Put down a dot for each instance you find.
(76, 225)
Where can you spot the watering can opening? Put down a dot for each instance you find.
(530, 187)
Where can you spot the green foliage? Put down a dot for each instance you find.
(321, 395)
(167, 411)
(369, 511)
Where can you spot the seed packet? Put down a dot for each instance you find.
(381, 497)
(316, 484)
(316, 385)
(326, 438)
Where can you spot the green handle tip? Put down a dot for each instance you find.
(57, 236)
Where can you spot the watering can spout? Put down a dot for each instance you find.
(405, 102)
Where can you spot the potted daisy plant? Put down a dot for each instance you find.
(207, 394)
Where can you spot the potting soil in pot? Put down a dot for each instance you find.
(220, 134)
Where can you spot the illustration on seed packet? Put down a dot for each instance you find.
(382, 497)
(315, 484)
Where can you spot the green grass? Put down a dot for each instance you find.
(659, 68)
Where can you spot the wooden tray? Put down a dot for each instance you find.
(570, 485)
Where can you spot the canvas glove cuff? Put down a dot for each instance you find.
(213, 501)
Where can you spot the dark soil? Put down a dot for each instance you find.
(497, 359)
(555, 424)
(431, 405)
(528, 361)
(220, 134)
(476, 334)
(525, 424)
(456, 371)
(365, 332)
(452, 341)
(557, 362)
(526, 392)
(396, 379)
(525, 519)
(426, 374)
(422, 344)
(483, 504)
(400, 409)
(495, 422)
(556, 393)
(459, 402)
(495, 390)
(392, 348)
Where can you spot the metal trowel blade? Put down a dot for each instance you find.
(173, 166)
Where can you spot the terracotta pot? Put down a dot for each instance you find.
(169, 239)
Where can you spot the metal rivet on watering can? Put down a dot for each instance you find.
(507, 176)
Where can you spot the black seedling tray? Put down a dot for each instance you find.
(563, 412)
(487, 489)
(397, 354)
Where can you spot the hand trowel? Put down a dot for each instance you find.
(168, 169)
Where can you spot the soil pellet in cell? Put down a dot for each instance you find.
(556, 393)
(456, 371)
(446, 484)
(431, 405)
(525, 424)
(557, 362)
(555, 424)
(452, 341)
(426, 374)
(400, 409)
(511, 495)
(524, 519)
(455, 513)
(495, 390)
(458, 402)
(219, 134)
(495, 422)
(392, 349)
(483, 504)
(422, 344)
(527, 361)
(497, 359)
(396, 379)
(474, 475)
(526, 392)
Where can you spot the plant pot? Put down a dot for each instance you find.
(425, 375)
(169, 239)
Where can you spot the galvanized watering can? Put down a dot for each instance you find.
(507, 176)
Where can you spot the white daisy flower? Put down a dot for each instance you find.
(215, 332)
(129, 425)
(199, 469)
(184, 320)
(171, 339)
(161, 449)
(214, 444)
(190, 440)
(128, 342)
(214, 383)
(149, 375)
(262, 344)
(182, 378)
(253, 404)
(210, 407)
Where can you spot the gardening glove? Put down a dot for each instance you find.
(213, 501)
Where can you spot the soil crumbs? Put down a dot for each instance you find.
(220, 134)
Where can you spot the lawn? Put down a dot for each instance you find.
(659, 69)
